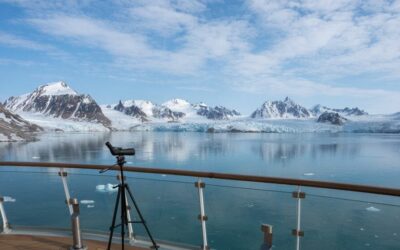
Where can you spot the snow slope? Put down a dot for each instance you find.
(14, 128)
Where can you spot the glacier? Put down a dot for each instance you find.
(55, 107)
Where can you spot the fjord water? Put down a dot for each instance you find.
(330, 219)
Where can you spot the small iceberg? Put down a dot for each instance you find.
(373, 209)
(308, 174)
(250, 205)
(9, 199)
(90, 206)
(107, 188)
(87, 202)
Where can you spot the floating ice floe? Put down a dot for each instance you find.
(108, 188)
(9, 199)
(90, 206)
(308, 174)
(87, 202)
(373, 209)
(250, 205)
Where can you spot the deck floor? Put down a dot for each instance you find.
(27, 242)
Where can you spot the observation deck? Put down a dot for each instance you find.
(192, 210)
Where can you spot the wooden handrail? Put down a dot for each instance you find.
(223, 176)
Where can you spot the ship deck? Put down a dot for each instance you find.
(29, 242)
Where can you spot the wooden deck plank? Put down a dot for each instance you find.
(28, 242)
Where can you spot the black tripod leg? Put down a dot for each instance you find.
(113, 220)
(123, 217)
(141, 217)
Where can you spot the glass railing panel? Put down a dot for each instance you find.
(235, 215)
(169, 207)
(34, 199)
(348, 220)
(96, 199)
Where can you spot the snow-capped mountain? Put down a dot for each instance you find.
(281, 109)
(216, 113)
(14, 128)
(146, 110)
(174, 110)
(319, 109)
(200, 110)
(58, 100)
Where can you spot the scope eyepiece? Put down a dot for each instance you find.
(120, 151)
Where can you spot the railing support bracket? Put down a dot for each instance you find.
(76, 230)
(267, 230)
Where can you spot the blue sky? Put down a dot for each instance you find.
(236, 53)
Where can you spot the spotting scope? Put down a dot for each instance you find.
(120, 151)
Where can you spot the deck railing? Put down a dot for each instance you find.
(298, 195)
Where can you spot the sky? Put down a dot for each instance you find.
(238, 54)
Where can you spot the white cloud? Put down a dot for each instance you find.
(300, 47)
(14, 41)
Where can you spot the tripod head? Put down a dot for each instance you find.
(120, 155)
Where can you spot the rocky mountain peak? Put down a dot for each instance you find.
(14, 128)
(146, 110)
(55, 88)
(332, 118)
(281, 109)
(60, 101)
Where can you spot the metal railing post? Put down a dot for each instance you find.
(267, 244)
(131, 235)
(6, 225)
(202, 216)
(297, 232)
(63, 176)
(76, 229)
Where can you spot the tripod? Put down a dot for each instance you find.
(121, 201)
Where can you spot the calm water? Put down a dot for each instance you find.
(330, 219)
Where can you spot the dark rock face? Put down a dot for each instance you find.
(65, 106)
(281, 109)
(132, 111)
(217, 113)
(166, 113)
(13, 126)
(351, 111)
(331, 117)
